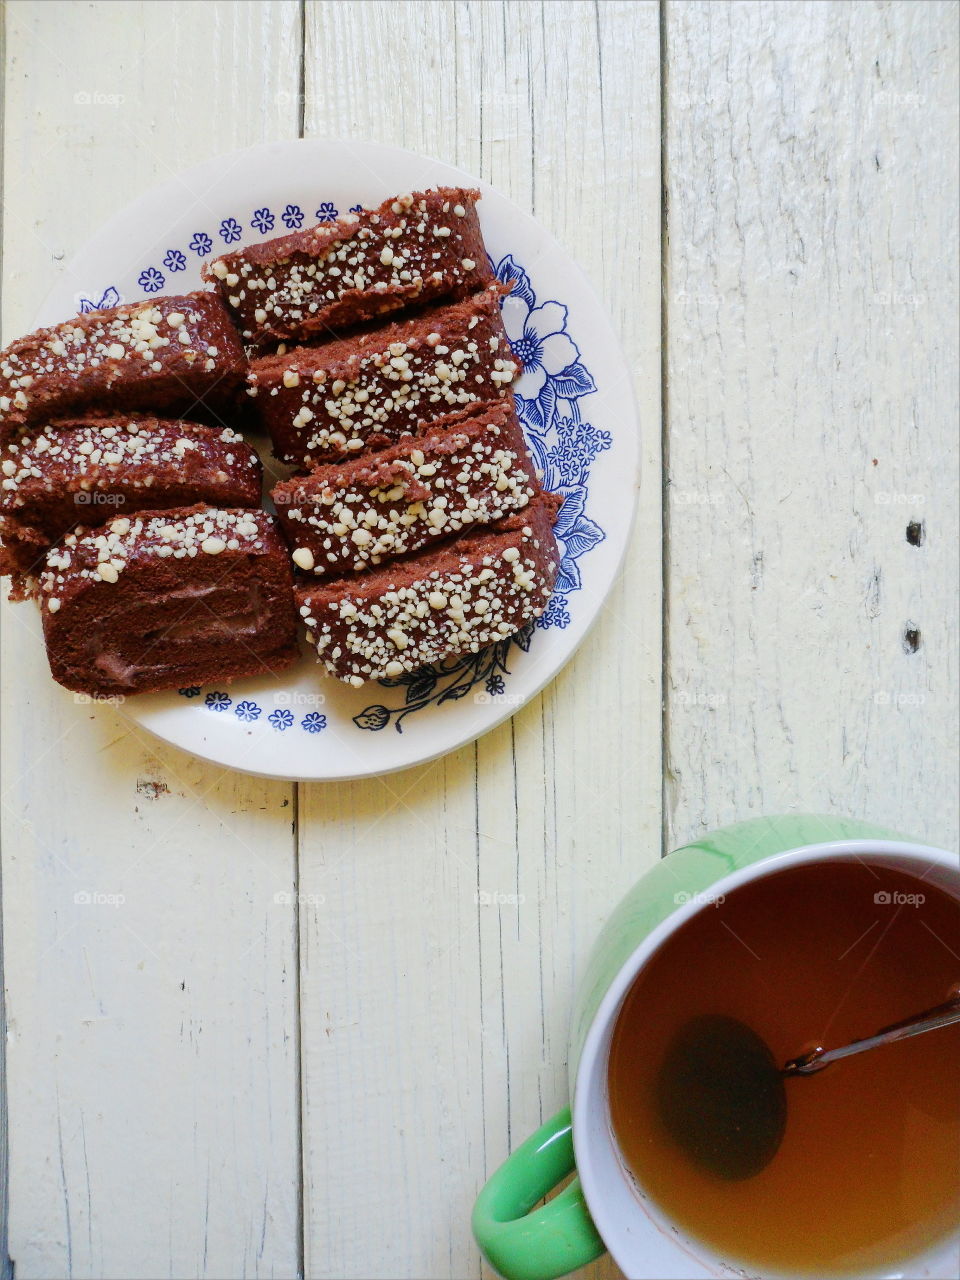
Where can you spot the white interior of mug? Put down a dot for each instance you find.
(641, 1237)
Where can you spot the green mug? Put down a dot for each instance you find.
(600, 1209)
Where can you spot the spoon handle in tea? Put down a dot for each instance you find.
(941, 1015)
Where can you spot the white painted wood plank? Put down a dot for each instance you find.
(812, 412)
(6, 1269)
(152, 1048)
(434, 1029)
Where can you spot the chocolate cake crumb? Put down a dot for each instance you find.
(167, 599)
(458, 599)
(469, 470)
(414, 248)
(89, 470)
(167, 353)
(361, 393)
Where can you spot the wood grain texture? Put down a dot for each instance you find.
(434, 1027)
(811, 293)
(6, 1269)
(810, 287)
(150, 974)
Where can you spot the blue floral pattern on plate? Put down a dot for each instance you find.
(564, 444)
(446, 681)
(109, 298)
(151, 280)
(249, 711)
(230, 230)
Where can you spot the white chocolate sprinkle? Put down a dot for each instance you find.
(405, 250)
(355, 520)
(384, 390)
(363, 634)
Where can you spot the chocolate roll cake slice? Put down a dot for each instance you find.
(470, 469)
(168, 599)
(458, 599)
(86, 471)
(302, 286)
(174, 353)
(323, 403)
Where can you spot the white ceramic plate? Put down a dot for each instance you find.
(575, 400)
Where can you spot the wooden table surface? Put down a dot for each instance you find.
(205, 1080)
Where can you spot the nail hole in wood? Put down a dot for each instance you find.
(911, 640)
(915, 533)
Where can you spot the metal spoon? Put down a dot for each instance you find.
(721, 1095)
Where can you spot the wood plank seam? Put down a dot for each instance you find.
(664, 429)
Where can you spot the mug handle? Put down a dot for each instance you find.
(556, 1238)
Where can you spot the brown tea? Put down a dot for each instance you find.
(868, 1171)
